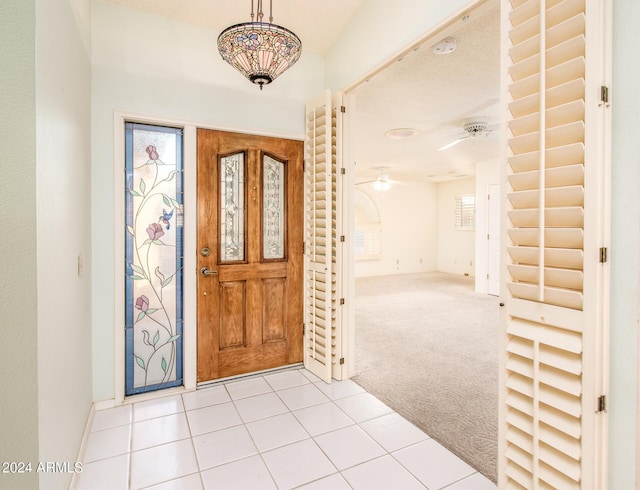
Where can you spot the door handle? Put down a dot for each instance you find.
(206, 272)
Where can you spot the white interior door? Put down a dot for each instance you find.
(493, 237)
(323, 238)
(554, 359)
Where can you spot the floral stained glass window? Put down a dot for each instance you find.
(153, 257)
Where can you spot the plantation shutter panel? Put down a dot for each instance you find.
(322, 249)
(555, 321)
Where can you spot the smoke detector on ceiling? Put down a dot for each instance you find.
(446, 46)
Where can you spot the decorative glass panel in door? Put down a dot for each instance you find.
(273, 208)
(153, 258)
(232, 209)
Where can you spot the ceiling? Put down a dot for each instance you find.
(328, 17)
(434, 94)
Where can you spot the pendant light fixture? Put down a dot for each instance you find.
(261, 51)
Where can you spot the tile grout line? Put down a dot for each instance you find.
(449, 485)
(130, 454)
(193, 445)
(184, 412)
(312, 438)
(259, 453)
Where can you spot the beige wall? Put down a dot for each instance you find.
(408, 238)
(625, 243)
(18, 314)
(456, 248)
(63, 185)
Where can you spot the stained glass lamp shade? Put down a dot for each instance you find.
(261, 51)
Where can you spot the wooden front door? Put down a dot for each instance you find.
(250, 257)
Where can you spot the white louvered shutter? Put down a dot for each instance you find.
(322, 242)
(556, 174)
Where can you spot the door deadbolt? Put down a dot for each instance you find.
(205, 252)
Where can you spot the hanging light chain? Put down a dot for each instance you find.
(259, 12)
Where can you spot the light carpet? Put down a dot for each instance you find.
(427, 346)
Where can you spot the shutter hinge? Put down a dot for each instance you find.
(342, 238)
(304, 247)
(603, 255)
(304, 329)
(341, 361)
(343, 109)
(602, 404)
(604, 94)
(341, 301)
(343, 171)
(304, 166)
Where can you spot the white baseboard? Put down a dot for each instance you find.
(83, 444)
(104, 404)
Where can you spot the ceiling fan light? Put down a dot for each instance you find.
(381, 185)
(474, 128)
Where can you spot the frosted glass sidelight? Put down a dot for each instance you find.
(273, 210)
(232, 208)
(153, 258)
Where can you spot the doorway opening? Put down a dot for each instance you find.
(426, 329)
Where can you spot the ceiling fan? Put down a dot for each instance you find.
(382, 182)
(473, 129)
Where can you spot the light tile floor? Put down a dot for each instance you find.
(279, 431)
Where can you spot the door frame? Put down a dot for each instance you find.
(493, 218)
(190, 245)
